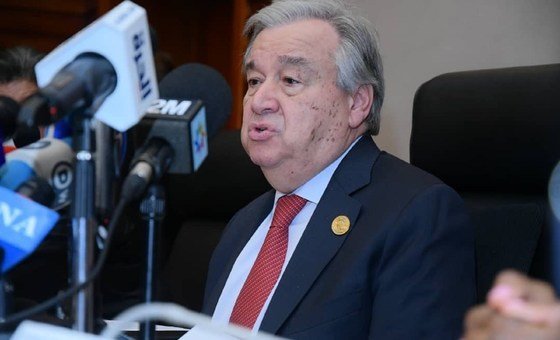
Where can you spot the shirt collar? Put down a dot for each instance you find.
(313, 189)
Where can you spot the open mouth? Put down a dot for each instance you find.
(260, 132)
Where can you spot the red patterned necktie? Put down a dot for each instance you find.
(268, 265)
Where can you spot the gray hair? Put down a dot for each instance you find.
(357, 58)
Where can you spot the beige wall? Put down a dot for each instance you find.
(421, 39)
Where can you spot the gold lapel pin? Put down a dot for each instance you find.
(340, 225)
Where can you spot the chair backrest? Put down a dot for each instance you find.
(494, 136)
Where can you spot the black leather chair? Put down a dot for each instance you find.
(494, 136)
(199, 207)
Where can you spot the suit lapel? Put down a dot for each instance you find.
(318, 243)
(244, 227)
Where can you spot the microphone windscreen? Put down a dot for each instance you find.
(198, 81)
(9, 109)
(48, 158)
(26, 135)
(38, 190)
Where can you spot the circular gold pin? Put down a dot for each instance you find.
(340, 225)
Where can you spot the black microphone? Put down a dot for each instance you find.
(9, 109)
(38, 190)
(186, 92)
(151, 162)
(25, 135)
(83, 83)
(200, 106)
(20, 135)
(199, 81)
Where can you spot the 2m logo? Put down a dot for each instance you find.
(170, 107)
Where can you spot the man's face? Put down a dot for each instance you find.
(295, 118)
(18, 90)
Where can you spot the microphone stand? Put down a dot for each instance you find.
(83, 222)
(152, 210)
(5, 292)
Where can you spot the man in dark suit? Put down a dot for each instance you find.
(353, 243)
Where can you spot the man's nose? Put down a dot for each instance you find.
(265, 98)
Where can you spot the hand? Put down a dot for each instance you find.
(517, 308)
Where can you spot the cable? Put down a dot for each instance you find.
(43, 306)
(177, 315)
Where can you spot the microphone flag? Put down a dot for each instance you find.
(23, 226)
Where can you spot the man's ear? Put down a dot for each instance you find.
(362, 100)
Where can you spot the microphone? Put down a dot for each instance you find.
(38, 190)
(106, 69)
(179, 128)
(8, 115)
(81, 84)
(9, 109)
(199, 81)
(25, 135)
(188, 93)
(23, 224)
(48, 158)
(9, 128)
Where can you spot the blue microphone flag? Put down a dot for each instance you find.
(23, 226)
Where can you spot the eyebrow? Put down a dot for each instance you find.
(249, 66)
(293, 61)
(284, 60)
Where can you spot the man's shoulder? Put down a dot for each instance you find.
(395, 179)
(391, 168)
(366, 163)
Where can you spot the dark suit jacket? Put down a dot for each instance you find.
(405, 269)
